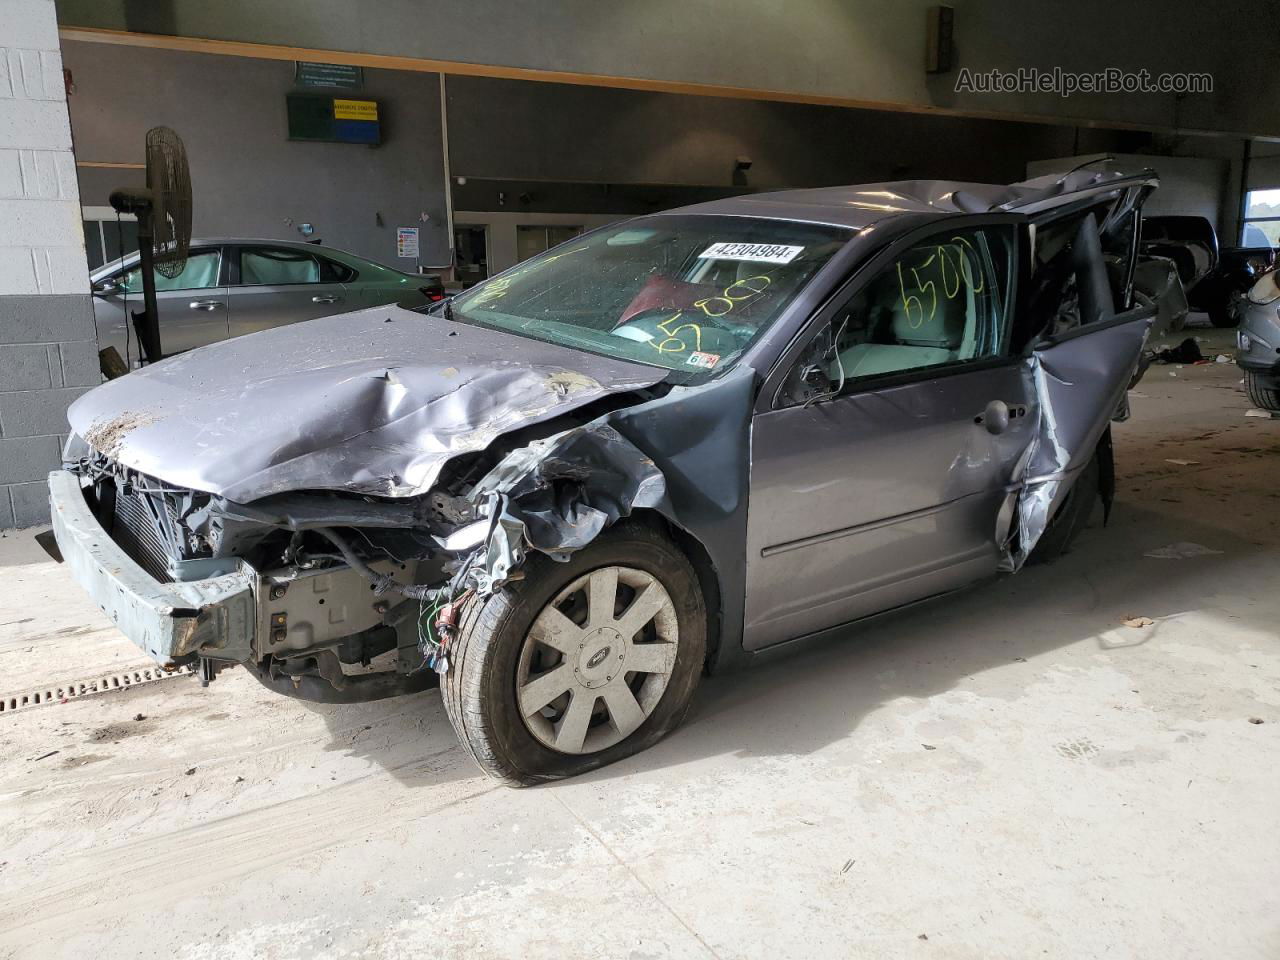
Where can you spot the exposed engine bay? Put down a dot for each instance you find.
(362, 592)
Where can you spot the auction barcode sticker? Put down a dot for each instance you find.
(759, 252)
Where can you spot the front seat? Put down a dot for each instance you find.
(918, 341)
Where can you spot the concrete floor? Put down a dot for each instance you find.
(1011, 773)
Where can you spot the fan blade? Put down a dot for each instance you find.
(170, 180)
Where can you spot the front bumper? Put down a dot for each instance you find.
(1258, 342)
(174, 623)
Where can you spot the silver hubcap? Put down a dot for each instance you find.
(597, 660)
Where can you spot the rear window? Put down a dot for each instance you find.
(331, 271)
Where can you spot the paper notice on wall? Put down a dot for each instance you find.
(407, 242)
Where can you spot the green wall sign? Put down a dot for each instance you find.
(307, 74)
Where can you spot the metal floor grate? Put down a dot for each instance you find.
(85, 688)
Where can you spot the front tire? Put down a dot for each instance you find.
(581, 663)
(1260, 394)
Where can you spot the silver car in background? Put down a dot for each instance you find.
(232, 287)
(1258, 342)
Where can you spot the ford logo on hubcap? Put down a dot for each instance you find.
(597, 658)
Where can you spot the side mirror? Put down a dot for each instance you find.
(106, 288)
(809, 382)
(815, 376)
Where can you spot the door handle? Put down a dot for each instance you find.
(205, 304)
(328, 298)
(995, 417)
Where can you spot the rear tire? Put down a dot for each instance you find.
(490, 678)
(1261, 395)
(1222, 315)
(1071, 517)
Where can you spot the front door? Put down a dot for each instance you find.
(879, 474)
(272, 286)
(193, 307)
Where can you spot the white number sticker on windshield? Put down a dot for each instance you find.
(756, 252)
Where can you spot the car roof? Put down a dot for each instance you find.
(861, 205)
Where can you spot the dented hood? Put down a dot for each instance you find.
(374, 402)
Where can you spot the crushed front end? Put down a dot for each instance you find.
(321, 595)
(326, 595)
(325, 545)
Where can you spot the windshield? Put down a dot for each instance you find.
(688, 293)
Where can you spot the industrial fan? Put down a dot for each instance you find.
(163, 209)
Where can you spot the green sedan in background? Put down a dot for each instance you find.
(233, 287)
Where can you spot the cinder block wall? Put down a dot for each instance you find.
(48, 353)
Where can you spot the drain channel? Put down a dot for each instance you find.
(86, 688)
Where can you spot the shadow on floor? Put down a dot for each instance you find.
(801, 703)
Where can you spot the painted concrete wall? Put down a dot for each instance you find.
(1264, 169)
(48, 355)
(248, 178)
(864, 49)
(510, 129)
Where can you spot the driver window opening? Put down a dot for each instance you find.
(942, 302)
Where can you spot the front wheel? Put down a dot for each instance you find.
(581, 663)
(1262, 392)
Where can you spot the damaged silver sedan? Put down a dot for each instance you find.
(658, 450)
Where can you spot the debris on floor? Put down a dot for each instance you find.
(1181, 551)
(1188, 351)
(1259, 412)
(1131, 621)
(1255, 720)
(1183, 463)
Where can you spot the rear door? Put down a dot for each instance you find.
(275, 285)
(193, 306)
(881, 472)
(374, 285)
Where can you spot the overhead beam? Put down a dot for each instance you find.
(379, 61)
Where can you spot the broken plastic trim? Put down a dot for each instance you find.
(1079, 382)
(558, 494)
